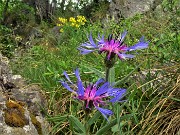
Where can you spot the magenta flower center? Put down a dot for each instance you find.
(90, 97)
(113, 47)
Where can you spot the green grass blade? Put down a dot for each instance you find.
(57, 120)
(106, 127)
(77, 124)
(123, 79)
(175, 99)
(99, 73)
(94, 118)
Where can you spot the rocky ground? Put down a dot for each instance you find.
(21, 104)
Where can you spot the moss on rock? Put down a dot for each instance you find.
(36, 123)
(14, 114)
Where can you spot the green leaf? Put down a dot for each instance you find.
(57, 120)
(77, 124)
(106, 127)
(116, 127)
(133, 111)
(99, 73)
(123, 79)
(122, 122)
(94, 118)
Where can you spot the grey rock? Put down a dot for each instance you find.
(55, 30)
(27, 101)
(18, 81)
(129, 8)
(2, 97)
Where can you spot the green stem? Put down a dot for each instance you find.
(86, 124)
(107, 73)
(87, 129)
(109, 64)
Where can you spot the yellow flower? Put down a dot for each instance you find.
(62, 20)
(58, 24)
(82, 23)
(72, 19)
(77, 25)
(81, 20)
(84, 19)
(65, 20)
(78, 20)
(61, 30)
(73, 24)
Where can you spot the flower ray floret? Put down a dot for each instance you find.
(112, 46)
(94, 95)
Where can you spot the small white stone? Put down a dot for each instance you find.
(14, 77)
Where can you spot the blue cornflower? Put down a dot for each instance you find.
(112, 46)
(95, 95)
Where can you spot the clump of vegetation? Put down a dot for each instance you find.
(151, 78)
(7, 44)
(14, 17)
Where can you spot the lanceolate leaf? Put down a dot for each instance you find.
(94, 118)
(106, 127)
(99, 73)
(77, 124)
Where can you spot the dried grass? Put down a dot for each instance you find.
(164, 117)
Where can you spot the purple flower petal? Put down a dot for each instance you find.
(123, 36)
(140, 45)
(67, 77)
(119, 96)
(92, 41)
(88, 45)
(77, 74)
(92, 93)
(84, 51)
(104, 112)
(113, 91)
(99, 81)
(103, 89)
(124, 56)
(80, 90)
(64, 84)
(100, 40)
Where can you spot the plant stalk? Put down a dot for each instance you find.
(107, 74)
